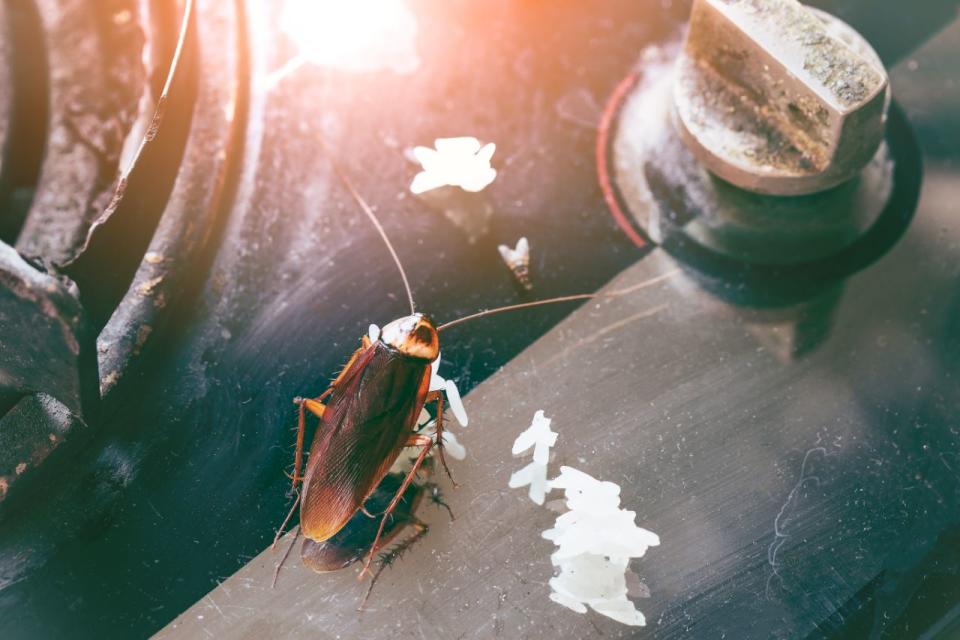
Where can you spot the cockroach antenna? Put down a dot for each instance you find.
(572, 298)
(373, 219)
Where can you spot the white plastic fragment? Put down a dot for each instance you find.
(456, 162)
(591, 578)
(595, 538)
(449, 387)
(436, 382)
(584, 493)
(570, 603)
(426, 423)
(427, 426)
(534, 475)
(456, 403)
(451, 446)
(621, 610)
(538, 436)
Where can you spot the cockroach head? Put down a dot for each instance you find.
(414, 336)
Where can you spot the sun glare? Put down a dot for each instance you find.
(353, 35)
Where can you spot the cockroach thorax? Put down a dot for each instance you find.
(414, 335)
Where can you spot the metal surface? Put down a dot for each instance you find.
(48, 373)
(6, 93)
(180, 481)
(46, 343)
(776, 98)
(22, 113)
(675, 200)
(193, 447)
(792, 492)
(166, 239)
(895, 39)
(799, 489)
(114, 245)
(59, 371)
(25, 90)
(94, 58)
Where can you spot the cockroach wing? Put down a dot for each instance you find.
(353, 541)
(369, 417)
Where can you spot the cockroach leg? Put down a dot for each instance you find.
(390, 556)
(436, 396)
(346, 368)
(316, 409)
(367, 513)
(298, 455)
(276, 572)
(285, 521)
(437, 499)
(415, 441)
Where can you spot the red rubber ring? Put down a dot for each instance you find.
(610, 112)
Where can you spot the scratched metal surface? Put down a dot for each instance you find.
(184, 483)
(802, 466)
(793, 495)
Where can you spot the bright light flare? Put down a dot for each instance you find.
(353, 35)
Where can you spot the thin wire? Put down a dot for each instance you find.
(376, 223)
(571, 298)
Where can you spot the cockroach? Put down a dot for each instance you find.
(367, 416)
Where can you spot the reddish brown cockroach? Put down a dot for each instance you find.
(369, 417)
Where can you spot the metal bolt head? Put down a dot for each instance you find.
(778, 98)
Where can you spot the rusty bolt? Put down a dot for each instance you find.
(778, 98)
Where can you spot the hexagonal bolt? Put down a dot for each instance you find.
(778, 98)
